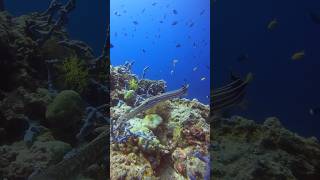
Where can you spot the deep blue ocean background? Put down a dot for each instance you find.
(142, 31)
(87, 22)
(281, 87)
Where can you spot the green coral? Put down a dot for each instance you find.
(145, 127)
(152, 121)
(149, 122)
(133, 84)
(138, 125)
(75, 74)
(129, 95)
(65, 110)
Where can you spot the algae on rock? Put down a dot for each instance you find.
(65, 110)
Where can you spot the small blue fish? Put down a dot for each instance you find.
(175, 11)
(174, 23)
(202, 12)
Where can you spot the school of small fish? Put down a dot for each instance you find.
(174, 14)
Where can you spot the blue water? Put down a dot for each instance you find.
(281, 87)
(87, 22)
(159, 41)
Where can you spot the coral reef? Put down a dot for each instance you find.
(19, 161)
(155, 130)
(49, 130)
(53, 91)
(243, 149)
(75, 75)
(65, 110)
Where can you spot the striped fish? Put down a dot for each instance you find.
(229, 95)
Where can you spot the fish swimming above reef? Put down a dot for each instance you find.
(195, 68)
(117, 13)
(174, 62)
(203, 78)
(314, 111)
(230, 94)
(202, 12)
(178, 45)
(298, 55)
(153, 4)
(174, 23)
(175, 11)
(109, 46)
(135, 22)
(273, 24)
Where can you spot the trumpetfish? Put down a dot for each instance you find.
(222, 98)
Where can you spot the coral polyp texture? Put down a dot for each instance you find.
(243, 149)
(52, 98)
(160, 141)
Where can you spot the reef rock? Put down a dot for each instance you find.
(130, 166)
(20, 105)
(65, 110)
(165, 137)
(20, 161)
(243, 149)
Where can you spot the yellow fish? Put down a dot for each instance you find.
(272, 24)
(298, 55)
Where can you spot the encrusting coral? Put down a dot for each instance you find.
(65, 110)
(243, 149)
(155, 134)
(164, 137)
(48, 83)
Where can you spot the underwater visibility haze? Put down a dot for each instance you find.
(88, 22)
(160, 51)
(279, 44)
(66, 114)
(171, 38)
